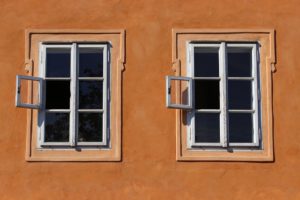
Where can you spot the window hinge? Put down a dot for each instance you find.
(258, 95)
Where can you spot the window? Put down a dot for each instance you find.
(73, 93)
(226, 105)
(74, 108)
(230, 117)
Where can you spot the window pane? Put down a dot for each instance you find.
(206, 62)
(90, 62)
(240, 127)
(207, 94)
(58, 62)
(207, 127)
(239, 64)
(57, 127)
(57, 94)
(90, 94)
(240, 94)
(90, 127)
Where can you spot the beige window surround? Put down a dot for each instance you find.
(266, 39)
(116, 38)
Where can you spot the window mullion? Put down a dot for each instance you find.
(223, 95)
(73, 97)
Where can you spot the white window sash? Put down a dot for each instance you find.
(255, 91)
(169, 90)
(104, 95)
(18, 100)
(42, 112)
(191, 115)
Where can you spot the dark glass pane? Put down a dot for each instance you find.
(90, 94)
(90, 62)
(206, 64)
(207, 94)
(240, 94)
(90, 127)
(207, 127)
(239, 64)
(58, 62)
(240, 127)
(57, 127)
(57, 94)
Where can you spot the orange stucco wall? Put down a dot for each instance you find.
(148, 169)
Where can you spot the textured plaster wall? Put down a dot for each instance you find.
(148, 169)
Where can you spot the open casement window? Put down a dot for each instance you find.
(184, 101)
(230, 114)
(21, 100)
(75, 91)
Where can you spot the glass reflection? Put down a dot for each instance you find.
(90, 94)
(90, 62)
(90, 127)
(57, 127)
(239, 94)
(206, 63)
(240, 127)
(58, 62)
(239, 64)
(207, 127)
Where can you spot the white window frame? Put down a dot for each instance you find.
(224, 135)
(18, 100)
(74, 98)
(169, 90)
